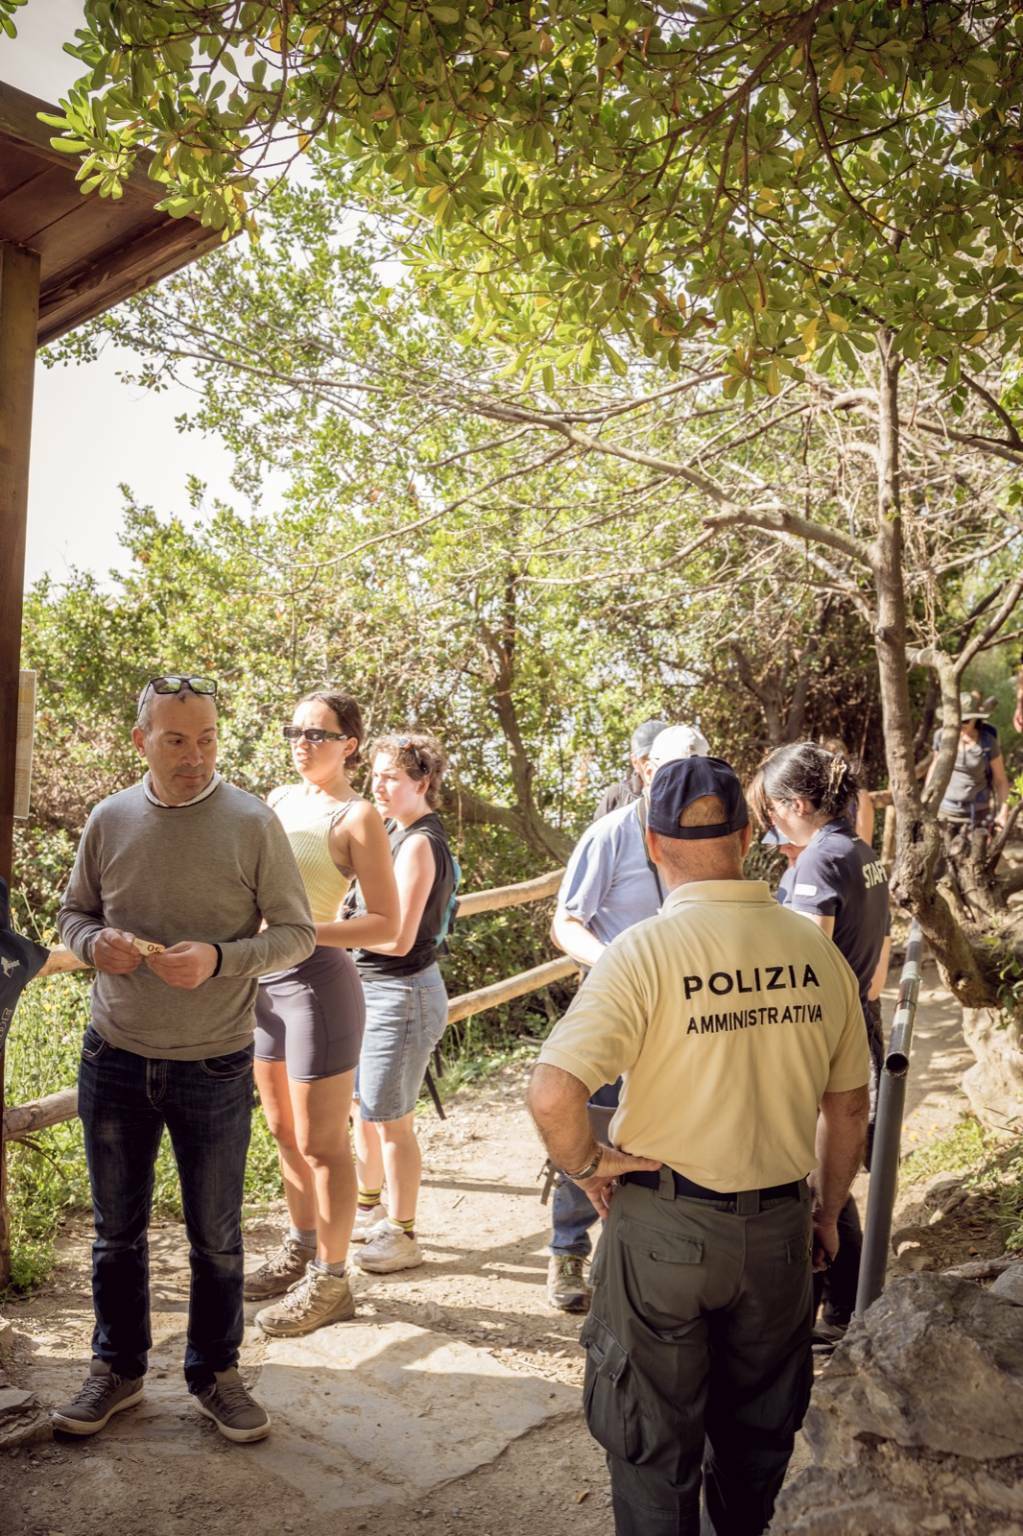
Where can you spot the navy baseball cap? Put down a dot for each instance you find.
(677, 784)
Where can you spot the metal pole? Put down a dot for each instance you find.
(891, 1100)
(19, 319)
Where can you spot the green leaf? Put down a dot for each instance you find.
(616, 360)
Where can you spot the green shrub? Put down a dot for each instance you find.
(989, 1166)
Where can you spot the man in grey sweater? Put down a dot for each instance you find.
(183, 884)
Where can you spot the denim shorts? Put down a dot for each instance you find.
(405, 1018)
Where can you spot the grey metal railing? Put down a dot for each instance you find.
(891, 1103)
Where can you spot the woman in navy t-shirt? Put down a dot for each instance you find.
(839, 883)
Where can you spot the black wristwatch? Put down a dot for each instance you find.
(588, 1171)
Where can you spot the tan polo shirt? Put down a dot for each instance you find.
(728, 1016)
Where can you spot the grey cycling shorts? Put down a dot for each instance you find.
(312, 1016)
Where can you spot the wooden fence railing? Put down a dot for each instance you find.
(21, 1120)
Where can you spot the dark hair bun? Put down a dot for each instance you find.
(805, 771)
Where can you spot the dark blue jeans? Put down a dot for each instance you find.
(572, 1212)
(125, 1101)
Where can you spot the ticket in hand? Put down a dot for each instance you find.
(148, 946)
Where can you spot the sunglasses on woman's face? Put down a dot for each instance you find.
(311, 733)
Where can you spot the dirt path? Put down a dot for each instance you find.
(479, 1432)
(450, 1405)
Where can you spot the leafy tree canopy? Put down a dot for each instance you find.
(782, 178)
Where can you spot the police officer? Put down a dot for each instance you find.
(839, 883)
(609, 884)
(731, 1020)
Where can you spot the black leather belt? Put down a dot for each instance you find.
(690, 1191)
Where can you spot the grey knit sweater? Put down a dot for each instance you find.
(211, 871)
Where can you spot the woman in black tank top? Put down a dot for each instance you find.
(406, 1003)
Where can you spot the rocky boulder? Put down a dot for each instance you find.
(917, 1423)
(994, 1086)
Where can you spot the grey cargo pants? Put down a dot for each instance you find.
(698, 1364)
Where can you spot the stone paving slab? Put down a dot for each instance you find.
(366, 1413)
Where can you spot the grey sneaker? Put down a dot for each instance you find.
(279, 1270)
(312, 1302)
(103, 1394)
(228, 1402)
(567, 1289)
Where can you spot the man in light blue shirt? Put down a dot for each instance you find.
(609, 885)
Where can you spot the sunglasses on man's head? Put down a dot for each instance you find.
(173, 683)
(311, 733)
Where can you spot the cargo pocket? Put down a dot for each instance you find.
(610, 1416)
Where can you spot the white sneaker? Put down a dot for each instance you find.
(367, 1222)
(389, 1249)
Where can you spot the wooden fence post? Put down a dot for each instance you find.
(19, 319)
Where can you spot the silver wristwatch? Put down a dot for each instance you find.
(588, 1171)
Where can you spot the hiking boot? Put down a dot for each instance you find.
(103, 1394)
(567, 1289)
(388, 1250)
(228, 1402)
(312, 1302)
(367, 1222)
(278, 1271)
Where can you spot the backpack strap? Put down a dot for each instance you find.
(651, 866)
(988, 741)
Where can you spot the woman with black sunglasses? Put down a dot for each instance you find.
(310, 1019)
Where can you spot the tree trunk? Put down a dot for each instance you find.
(795, 715)
(917, 843)
(766, 692)
(466, 806)
(500, 648)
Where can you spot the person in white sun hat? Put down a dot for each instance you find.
(674, 742)
(609, 884)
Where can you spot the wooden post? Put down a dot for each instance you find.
(19, 319)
